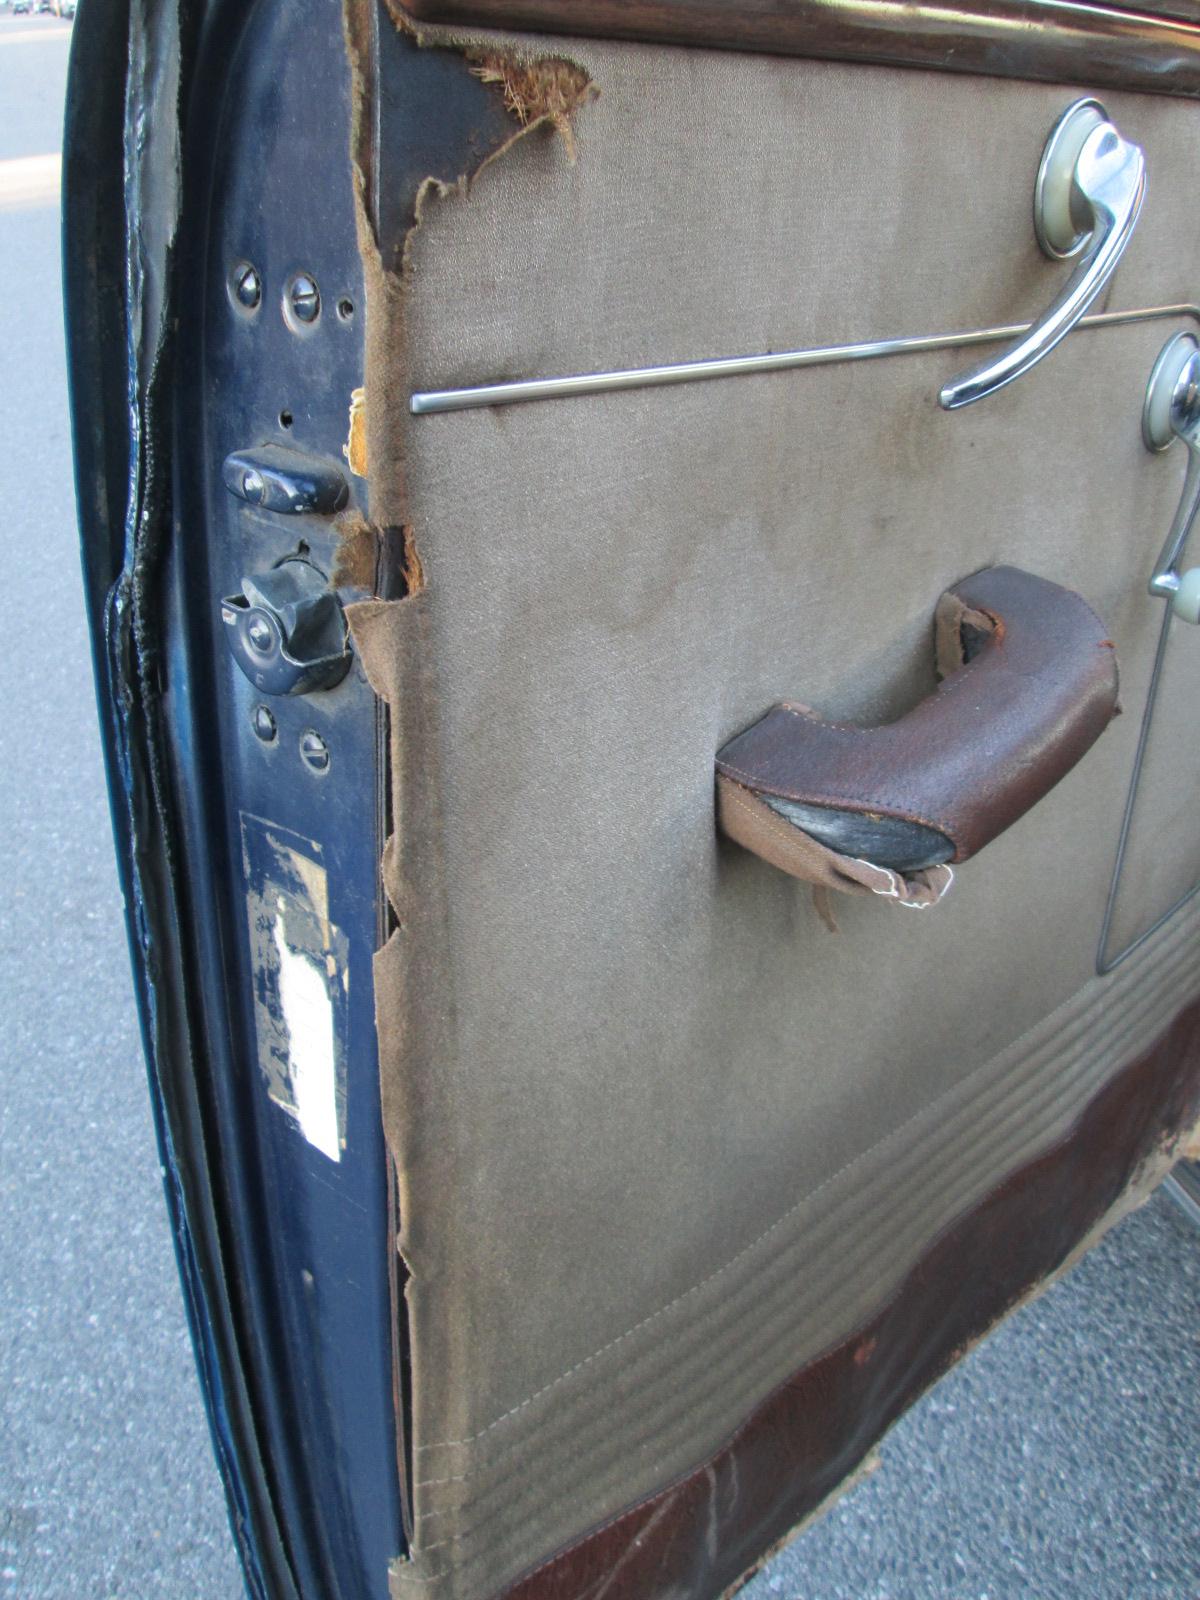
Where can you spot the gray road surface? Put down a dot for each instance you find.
(1059, 1461)
(107, 1486)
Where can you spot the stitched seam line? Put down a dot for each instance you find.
(1079, 1026)
(683, 1478)
(446, 1444)
(1068, 1037)
(786, 832)
(474, 1529)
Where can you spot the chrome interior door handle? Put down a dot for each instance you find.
(1089, 191)
(1172, 411)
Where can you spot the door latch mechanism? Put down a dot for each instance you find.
(286, 630)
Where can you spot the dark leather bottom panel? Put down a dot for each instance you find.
(703, 1533)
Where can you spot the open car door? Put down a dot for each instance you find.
(617, 536)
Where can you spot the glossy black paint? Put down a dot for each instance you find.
(244, 334)
(107, 408)
(284, 1251)
(267, 155)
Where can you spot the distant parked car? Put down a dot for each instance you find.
(22, 8)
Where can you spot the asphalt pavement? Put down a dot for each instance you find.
(1059, 1461)
(107, 1484)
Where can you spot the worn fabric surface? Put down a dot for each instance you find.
(662, 1138)
(1162, 856)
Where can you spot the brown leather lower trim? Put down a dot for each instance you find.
(700, 1535)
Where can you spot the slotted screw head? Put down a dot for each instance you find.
(314, 752)
(247, 285)
(304, 298)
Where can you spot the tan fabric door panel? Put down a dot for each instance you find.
(657, 1076)
(581, 809)
(763, 203)
(1162, 856)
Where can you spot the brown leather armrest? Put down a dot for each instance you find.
(1029, 684)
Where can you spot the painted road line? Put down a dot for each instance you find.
(29, 182)
(33, 35)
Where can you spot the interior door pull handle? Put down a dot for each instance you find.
(1089, 191)
(1029, 683)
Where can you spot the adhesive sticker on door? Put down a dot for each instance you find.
(301, 980)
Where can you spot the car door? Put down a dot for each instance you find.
(638, 562)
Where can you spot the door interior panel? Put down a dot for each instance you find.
(647, 1024)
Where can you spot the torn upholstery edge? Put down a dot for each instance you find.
(413, 981)
(538, 89)
(392, 634)
(747, 819)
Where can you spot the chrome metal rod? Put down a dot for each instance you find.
(433, 401)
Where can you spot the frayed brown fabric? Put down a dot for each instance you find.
(538, 90)
(750, 822)
(357, 555)
(414, 996)
(414, 991)
(546, 91)
(383, 562)
(413, 571)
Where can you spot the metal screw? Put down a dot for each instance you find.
(247, 286)
(264, 724)
(314, 752)
(304, 298)
(261, 633)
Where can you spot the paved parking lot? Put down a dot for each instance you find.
(1059, 1461)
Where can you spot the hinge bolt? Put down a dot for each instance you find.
(304, 298)
(247, 286)
(314, 752)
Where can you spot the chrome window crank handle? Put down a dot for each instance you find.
(1089, 191)
(1172, 411)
